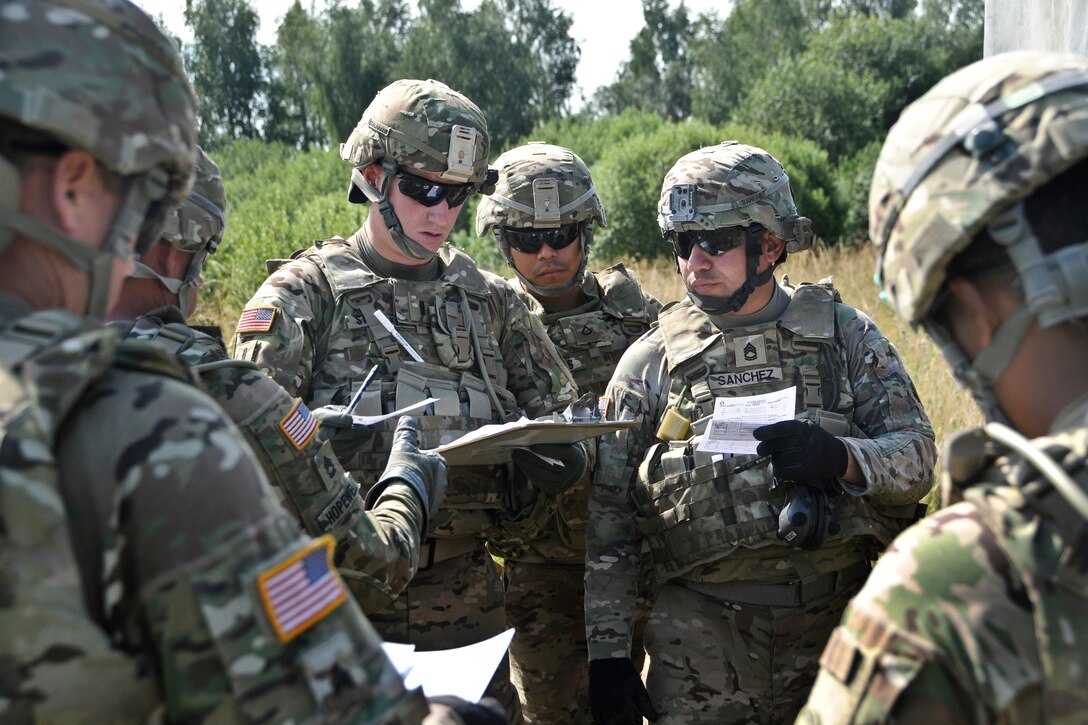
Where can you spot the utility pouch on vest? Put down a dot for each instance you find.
(834, 423)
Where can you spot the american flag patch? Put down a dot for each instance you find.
(299, 426)
(299, 592)
(603, 404)
(256, 319)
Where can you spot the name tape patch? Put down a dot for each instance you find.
(335, 511)
(302, 590)
(743, 377)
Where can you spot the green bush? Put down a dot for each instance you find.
(278, 200)
(853, 178)
(630, 173)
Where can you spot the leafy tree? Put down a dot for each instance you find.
(541, 37)
(226, 68)
(883, 9)
(359, 51)
(848, 87)
(658, 75)
(514, 59)
(730, 56)
(294, 99)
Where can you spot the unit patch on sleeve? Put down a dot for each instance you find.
(256, 319)
(299, 426)
(302, 590)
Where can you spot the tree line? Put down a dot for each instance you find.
(817, 82)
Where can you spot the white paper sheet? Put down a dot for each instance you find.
(372, 419)
(730, 429)
(462, 671)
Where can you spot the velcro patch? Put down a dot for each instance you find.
(256, 319)
(302, 590)
(299, 426)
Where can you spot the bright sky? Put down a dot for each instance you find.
(603, 29)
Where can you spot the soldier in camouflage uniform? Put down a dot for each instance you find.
(977, 614)
(377, 551)
(754, 566)
(542, 212)
(395, 296)
(145, 565)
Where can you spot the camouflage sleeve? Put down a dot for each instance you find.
(199, 565)
(896, 449)
(941, 632)
(538, 377)
(637, 391)
(377, 552)
(281, 324)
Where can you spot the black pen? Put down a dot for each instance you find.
(752, 463)
(359, 395)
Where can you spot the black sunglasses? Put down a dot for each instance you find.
(530, 241)
(711, 241)
(431, 193)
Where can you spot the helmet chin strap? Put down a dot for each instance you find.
(714, 305)
(989, 365)
(380, 197)
(184, 289)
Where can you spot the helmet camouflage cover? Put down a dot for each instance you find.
(98, 75)
(731, 185)
(980, 141)
(422, 125)
(201, 219)
(540, 186)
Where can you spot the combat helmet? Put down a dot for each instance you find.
(959, 161)
(422, 126)
(196, 226)
(732, 186)
(95, 75)
(541, 186)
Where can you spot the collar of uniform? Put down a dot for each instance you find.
(770, 312)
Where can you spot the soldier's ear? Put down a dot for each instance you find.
(72, 179)
(771, 247)
(373, 173)
(972, 315)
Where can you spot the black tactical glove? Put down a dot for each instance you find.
(424, 472)
(487, 711)
(338, 428)
(617, 695)
(551, 467)
(802, 451)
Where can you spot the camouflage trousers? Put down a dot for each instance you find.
(549, 662)
(713, 661)
(549, 659)
(453, 603)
